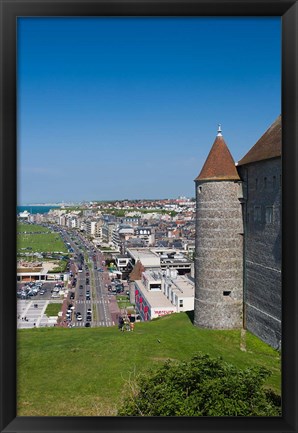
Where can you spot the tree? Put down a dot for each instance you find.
(203, 386)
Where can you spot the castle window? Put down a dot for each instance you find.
(227, 292)
(265, 182)
(180, 302)
(274, 182)
(269, 214)
(200, 189)
(257, 214)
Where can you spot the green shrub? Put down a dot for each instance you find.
(203, 386)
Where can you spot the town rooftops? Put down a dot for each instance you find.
(219, 164)
(268, 146)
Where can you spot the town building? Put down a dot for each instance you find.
(159, 293)
(164, 258)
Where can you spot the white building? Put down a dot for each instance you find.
(24, 215)
(159, 293)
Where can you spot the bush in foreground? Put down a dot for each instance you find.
(204, 386)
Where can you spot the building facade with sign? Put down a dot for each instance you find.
(159, 293)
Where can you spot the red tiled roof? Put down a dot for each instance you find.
(268, 146)
(219, 164)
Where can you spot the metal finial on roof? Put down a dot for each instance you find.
(219, 134)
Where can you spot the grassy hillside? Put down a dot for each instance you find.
(86, 371)
(38, 239)
(31, 228)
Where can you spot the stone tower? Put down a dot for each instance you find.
(219, 242)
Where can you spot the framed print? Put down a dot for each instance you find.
(109, 124)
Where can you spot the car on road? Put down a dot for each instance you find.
(88, 325)
(72, 295)
(79, 316)
(88, 318)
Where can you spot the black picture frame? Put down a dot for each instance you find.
(10, 10)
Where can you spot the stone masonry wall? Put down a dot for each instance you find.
(262, 266)
(218, 256)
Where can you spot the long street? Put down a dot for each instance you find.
(90, 290)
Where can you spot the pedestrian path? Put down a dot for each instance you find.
(31, 314)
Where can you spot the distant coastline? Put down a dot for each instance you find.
(34, 209)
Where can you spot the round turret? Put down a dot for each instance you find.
(219, 242)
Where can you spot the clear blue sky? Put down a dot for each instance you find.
(114, 108)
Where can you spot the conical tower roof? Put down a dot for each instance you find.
(136, 273)
(219, 164)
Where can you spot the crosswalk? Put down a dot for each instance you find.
(98, 301)
(94, 324)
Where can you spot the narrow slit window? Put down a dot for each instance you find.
(269, 214)
(257, 214)
(274, 182)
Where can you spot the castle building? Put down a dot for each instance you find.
(238, 239)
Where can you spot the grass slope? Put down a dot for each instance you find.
(39, 240)
(86, 371)
(31, 228)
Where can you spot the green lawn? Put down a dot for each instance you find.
(86, 371)
(31, 228)
(123, 301)
(53, 309)
(45, 241)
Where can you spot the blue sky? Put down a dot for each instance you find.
(115, 108)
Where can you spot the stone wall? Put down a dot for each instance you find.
(218, 256)
(262, 250)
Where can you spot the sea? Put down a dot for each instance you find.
(36, 209)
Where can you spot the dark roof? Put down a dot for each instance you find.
(268, 146)
(219, 164)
